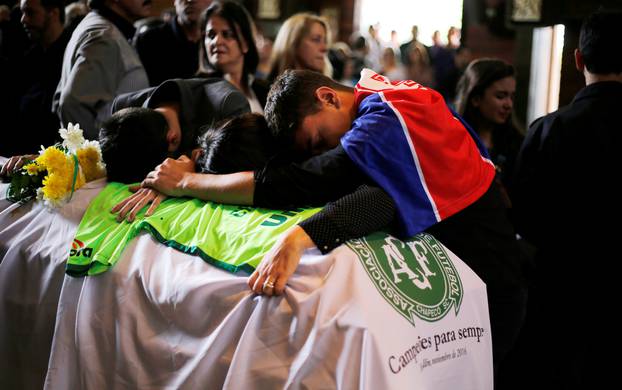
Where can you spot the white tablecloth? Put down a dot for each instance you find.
(164, 319)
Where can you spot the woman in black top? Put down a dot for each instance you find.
(228, 50)
(485, 99)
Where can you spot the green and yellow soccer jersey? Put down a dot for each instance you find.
(230, 237)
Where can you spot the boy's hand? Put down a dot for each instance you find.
(15, 163)
(130, 206)
(169, 177)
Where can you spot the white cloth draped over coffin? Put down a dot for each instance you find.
(165, 319)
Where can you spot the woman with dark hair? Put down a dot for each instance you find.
(485, 99)
(228, 50)
(238, 144)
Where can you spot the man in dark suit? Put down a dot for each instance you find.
(171, 50)
(564, 207)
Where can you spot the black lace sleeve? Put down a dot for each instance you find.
(358, 214)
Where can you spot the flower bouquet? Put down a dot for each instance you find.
(59, 170)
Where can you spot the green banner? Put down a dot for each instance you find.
(230, 237)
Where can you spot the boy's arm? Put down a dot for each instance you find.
(314, 182)
(178, 178)
(321, 179)
(366, 210)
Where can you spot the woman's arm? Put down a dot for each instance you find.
(358, 214)
(178, 178)
(366, 210)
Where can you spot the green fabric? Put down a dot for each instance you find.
(230, 237)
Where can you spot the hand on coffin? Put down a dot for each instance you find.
(169, 177)
(130, 206)
(280, 262)
(15, 163)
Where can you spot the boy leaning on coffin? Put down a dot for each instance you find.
(391, 144)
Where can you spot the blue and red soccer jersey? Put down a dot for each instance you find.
(407, 140)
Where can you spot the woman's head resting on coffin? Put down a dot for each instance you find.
(242, 143)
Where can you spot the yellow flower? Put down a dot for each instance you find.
(91, 162)
(55, 186)
(66, 170)
(80, 180)
(53, 159)
(61, 170)
(33, 168)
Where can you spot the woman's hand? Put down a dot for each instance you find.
(130, 206)
(280, 262)
(168, 177)
(15, 163)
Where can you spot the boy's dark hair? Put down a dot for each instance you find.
(243, 143)
(599, 42)
(133, 142)
(292, 98)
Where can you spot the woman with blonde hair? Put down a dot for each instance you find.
(302, 43)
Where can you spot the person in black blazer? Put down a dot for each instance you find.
(565, 205)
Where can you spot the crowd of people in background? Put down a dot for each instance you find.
(183, 42)
(84, 65)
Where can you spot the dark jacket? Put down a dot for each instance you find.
(42, 72)
(564, 167)
(202, 102)
(166, 53)
(565, 204)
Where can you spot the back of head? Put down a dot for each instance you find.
(58, 4)
(292, 98)
(600, 44)
(133, 143)
(96, 4)
(478, 76)
(74, 13)
(288, 39)
(241, 23)
(360, 43)
(242, 143)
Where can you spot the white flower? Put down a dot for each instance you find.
(72, 137)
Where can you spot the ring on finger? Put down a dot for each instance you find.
(268, 284)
